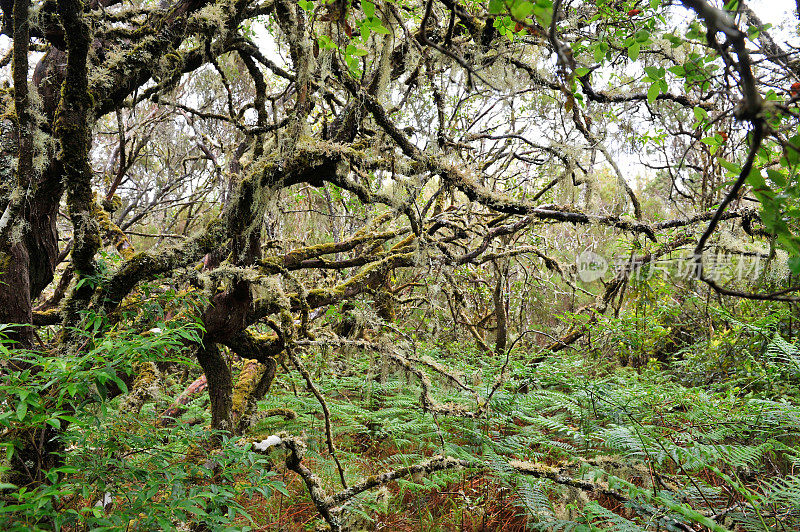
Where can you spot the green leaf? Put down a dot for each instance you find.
(633, 51)
(543, 11)
(368, 8)
(654, 73)
(22, 410)
(379, 28)
(700, 114)
(496, 6)
(777, 177)
(599, 52)
(521, 9)
(678, 70)
(352, 64)
(122, 386)
(674, 40)
(792, 155)
(326, 43)
(195, 510)
(280, 487)
(653, 92)
(730, 167)
(756, 180)
(794, 264)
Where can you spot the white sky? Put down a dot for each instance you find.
(774, 12)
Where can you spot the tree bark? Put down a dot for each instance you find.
(220, 386)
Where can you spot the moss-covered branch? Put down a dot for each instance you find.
(367, 278)
(309, 257)
(72, 129)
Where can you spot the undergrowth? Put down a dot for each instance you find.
(705, 438)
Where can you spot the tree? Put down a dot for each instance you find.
(422, 137)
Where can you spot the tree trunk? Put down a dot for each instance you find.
(220, 386)
(15, 292)
(501, 338)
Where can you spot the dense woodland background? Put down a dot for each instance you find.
(399, 265)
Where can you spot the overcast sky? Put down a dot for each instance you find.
(776, 12)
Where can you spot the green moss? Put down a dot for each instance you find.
(5, 262)
(145, 385)
(285, 413)
(112, 205)
(111, 231)
(245, 385)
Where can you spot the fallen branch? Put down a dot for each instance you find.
(331, 506)
(178, 407)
